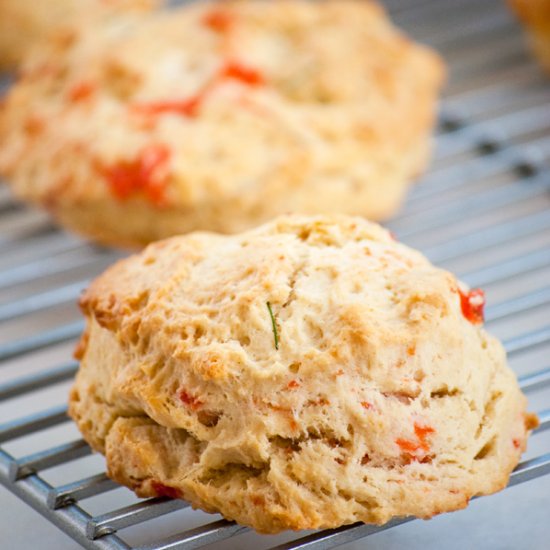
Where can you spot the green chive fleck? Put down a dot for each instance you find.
(273, 325)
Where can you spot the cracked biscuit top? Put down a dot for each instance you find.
(220, 115)
(310, 373)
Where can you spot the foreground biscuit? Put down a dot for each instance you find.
(25, 24)
(535, 14)
(220, 116)
(310, 373)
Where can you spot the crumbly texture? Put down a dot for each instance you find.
(26, 24)
(219, 116)
(377, 399)
(535, 14)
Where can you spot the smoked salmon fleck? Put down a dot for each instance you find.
(472, 304)
(165, 490)
(147, 174)
(190, 400)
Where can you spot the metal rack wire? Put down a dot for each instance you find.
(483, 211)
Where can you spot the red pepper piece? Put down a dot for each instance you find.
(238, 71)
(190, 400)
(190, 107)
(81, 91)
(472, 304)
(218, 21)
(411, 447)
(144, 174)
(185, 107)
(422, 433)
(165, 490)
(407, 445)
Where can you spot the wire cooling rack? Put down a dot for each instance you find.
(482, 211)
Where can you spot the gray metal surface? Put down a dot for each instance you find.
(483, 211)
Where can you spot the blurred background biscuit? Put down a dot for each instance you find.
(25, 24)
(219, 116)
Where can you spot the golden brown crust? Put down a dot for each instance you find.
(156, 126)
(378, 398)
(535, 14)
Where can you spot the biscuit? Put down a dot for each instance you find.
(25, 24)
(535, 14)
(219, 116)
(309, 373)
